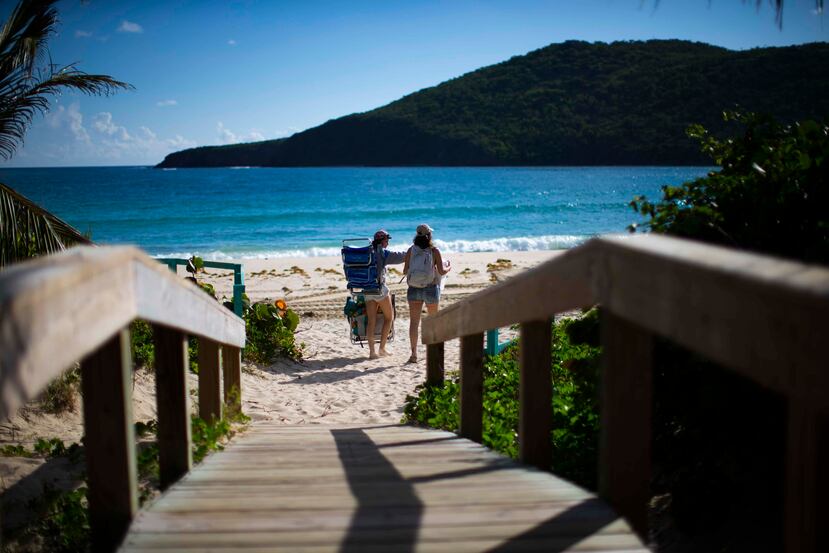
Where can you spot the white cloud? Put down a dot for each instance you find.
(68, 142)
(103, 124)
(82, 34)
(69, 118)
(226, 136)
(130, 27)
(165, 103)
(231, 42)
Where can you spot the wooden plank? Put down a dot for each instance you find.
(517, 509)
(210, 393)
(472, 387)
(58, 308)
(535, 422)
(109, 441)
(745, 311)
(557, 285)
(163, 299)
(54, 310)
(807, 484)
(232, 368)
(171, 365)
(434, 364)
(626, 406)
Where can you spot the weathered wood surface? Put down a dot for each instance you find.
(173, 403)
(535, 416)
(472, 387)
(626, 409)
(106, 381)
(764, 317)
(56, 309)
(372, 488)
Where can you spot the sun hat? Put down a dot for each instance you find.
(381, 234)
(424, 229)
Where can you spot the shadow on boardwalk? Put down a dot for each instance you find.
(357, 450)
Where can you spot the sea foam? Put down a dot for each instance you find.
(505, 244)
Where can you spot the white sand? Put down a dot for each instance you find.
(335, 383)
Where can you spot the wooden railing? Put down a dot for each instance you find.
(765, 318)
(77, 305)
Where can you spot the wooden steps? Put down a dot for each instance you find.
(372, 488)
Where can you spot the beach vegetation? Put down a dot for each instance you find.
(769, 194)
(574, 408)
(270, 331)
(60, 394)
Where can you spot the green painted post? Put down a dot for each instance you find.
(238, 289)
(492, 342)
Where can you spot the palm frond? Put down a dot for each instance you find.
(27, 97)
(25, 34)
(27, 230)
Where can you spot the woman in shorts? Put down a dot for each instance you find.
(423, 267)
(381, 301)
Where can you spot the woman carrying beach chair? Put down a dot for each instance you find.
(382, 301)
(365, 269)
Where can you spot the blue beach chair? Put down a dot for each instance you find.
(360, 268)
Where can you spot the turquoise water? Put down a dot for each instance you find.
(269, 212)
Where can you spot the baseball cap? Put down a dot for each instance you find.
(381, 234)
(424, 229)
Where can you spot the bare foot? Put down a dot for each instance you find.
(373, 356)
(384, 353)
(412, 359)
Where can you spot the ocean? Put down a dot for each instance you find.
(243, 213)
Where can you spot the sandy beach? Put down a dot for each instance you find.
(334, 383)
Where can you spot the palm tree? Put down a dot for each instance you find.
(28, 79)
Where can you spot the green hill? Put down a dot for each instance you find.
(575, 103)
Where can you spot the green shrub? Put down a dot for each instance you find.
(141, 344)
(574, 409)
(59, 396)
(270, 332)
(770, 194)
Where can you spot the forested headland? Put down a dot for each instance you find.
(574, 103)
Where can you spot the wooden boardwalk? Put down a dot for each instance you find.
(376, 489)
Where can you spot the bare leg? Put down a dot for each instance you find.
(431, 308)
(415, 307)
(388, 320)
(371, 313)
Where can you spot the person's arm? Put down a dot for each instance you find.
(439, 263)
(394, 258)
(406, 261)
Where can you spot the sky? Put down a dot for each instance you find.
(211, 72)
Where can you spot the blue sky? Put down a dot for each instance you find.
(217, 72)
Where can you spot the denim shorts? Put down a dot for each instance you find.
(430, 294)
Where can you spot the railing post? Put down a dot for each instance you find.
(210, 393)
(232, 368)
(472, 386)
(238, 289)
(171, 361)
(492, 341)
(626, 406)
(434, 364)
(807, 484)
(535, 419)
(109, 441)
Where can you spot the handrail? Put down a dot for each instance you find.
(56, 309)
(76, 306)
(765, 318)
